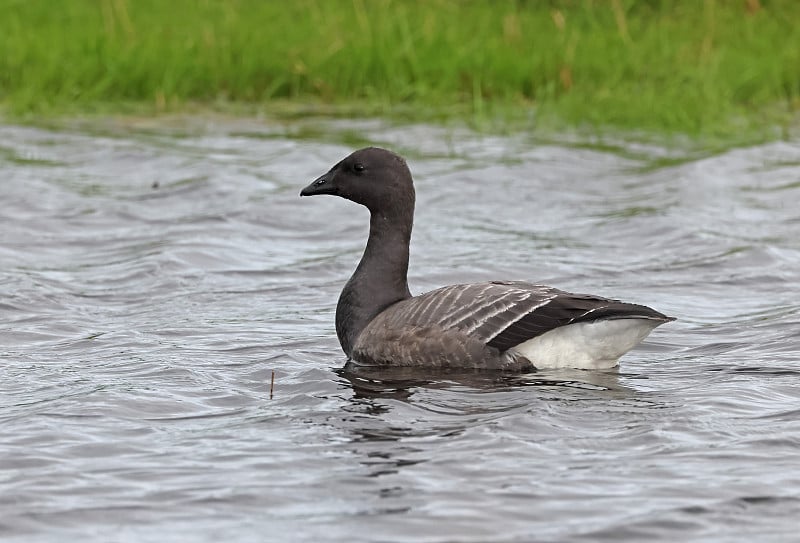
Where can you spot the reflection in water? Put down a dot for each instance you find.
(379, 391)
(400, 383)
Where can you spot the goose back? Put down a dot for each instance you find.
(462, 325)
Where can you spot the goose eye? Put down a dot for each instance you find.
(358, 167)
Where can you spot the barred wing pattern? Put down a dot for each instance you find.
(503, 314)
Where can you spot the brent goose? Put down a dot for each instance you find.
(507, 325)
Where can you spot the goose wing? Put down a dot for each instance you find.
(505, 314)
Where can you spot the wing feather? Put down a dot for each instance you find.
(505, 314)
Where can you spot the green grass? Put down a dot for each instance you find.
(723, 69)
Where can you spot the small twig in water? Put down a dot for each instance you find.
(272, 384)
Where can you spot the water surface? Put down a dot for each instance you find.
(153, 279)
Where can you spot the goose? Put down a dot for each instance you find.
(494, 325)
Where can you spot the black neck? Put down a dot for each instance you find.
(381, 278)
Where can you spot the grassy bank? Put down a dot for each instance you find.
(728, 69)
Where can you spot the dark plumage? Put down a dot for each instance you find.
(511, 325)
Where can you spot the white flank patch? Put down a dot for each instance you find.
(586, 345)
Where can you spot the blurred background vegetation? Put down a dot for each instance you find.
(726, 69)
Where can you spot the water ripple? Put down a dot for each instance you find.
(153, 281)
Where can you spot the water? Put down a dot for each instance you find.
(153, 278)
